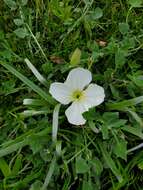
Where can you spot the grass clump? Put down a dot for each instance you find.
(50, 38)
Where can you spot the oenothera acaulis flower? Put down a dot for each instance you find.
(78, 91)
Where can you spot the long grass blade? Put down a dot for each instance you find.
(29, 83)
(55, 122)
(36, 72)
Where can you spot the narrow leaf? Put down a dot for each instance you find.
(49, 174)
(55, 122)
(111, 164)
(29, 83)
(122, 105)
(4, 167)
(36, 72)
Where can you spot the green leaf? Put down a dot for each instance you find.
(4, 167)
(110, 163)
(123, 28)
(98, 13)
(81, 166)
(21, 32)
(49, 174)
(138, 80)
(36, 185)
(17, 165)
(97, 166)
(87, 185)
(24, 2)
(11, 4)
(120, 58)
(29, 83)
(135, 3)
(124, 104)
(18, 22)
(104, 130)
(75, 58)
(140, 165)
(136, 130)
(120, 149)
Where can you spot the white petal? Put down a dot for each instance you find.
(78, 78)
(94, 95)
(61, 92)
(74, 114)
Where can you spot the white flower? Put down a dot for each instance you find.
(75, 90)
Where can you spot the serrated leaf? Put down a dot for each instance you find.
(21, 32)
(11, 4)
(135, 3)
(18, 22)
(81, 165)
(75, 58)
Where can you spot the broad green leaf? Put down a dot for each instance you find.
(123, 28)
(135, 3)
(97, 166)
(110, 163)
(4, 167)
(29, 83)
(120, 58)
(81, 166)
(120, 149)
(75, 58)
(98, 13)
(11, 4)
(21, 32)
(36, 185)
(87, 185)
(18, 22)
(138, 80)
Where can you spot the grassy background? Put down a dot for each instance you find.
(104, 154)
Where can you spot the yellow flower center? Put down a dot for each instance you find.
(77, 95)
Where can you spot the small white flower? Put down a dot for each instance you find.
(75, 90)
